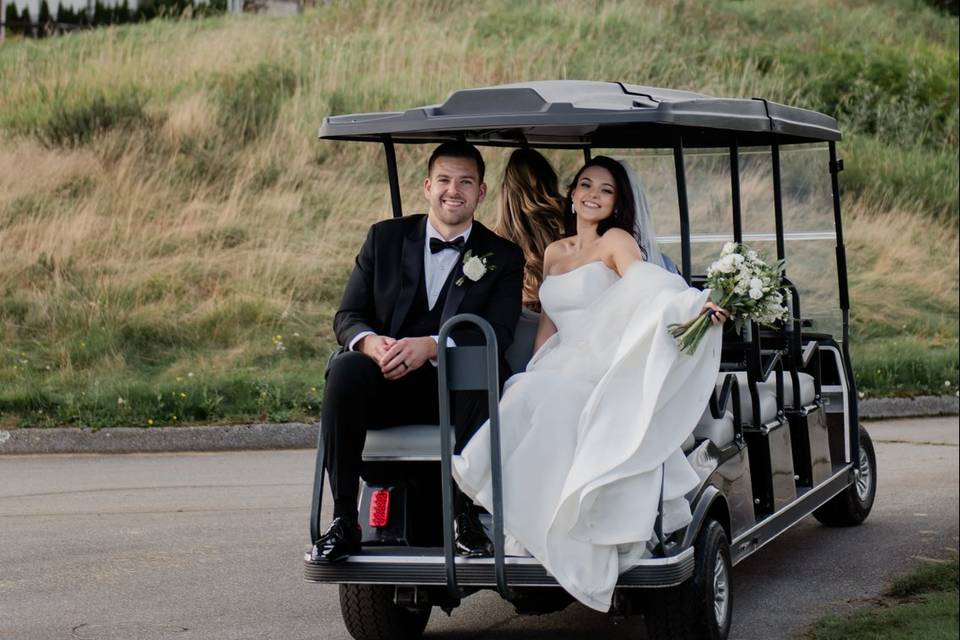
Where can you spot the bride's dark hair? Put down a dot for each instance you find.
(624, 209)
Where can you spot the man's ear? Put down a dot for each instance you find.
(426, 188)
(483, 192)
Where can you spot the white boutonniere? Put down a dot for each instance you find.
(474, 267)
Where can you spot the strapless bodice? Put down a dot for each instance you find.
(567, 296)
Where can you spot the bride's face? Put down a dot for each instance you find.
(595, 194)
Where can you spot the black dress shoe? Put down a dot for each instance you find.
(471, 541)
(341, 539)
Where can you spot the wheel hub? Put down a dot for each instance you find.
(864, 476)
(721, 590)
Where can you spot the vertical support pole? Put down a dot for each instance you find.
(686, 267)
(735, 190)
(836, 166)
(777, 198)
(392, 176)
(586, 155)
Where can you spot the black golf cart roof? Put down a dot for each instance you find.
(577, 114)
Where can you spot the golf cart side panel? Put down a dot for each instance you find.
(725, 476)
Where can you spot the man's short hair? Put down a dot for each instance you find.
(457, 150)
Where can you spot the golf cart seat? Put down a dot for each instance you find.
(718, 430)
(768, 394)
(418, 442)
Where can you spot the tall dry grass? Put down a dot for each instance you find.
(166, 210)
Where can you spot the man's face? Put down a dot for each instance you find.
(453, 190)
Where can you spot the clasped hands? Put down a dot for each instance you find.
(396, 357)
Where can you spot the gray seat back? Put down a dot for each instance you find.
(520, 352)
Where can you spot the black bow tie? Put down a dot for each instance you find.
(437, 245)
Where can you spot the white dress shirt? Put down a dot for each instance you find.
(437, 266)
(436, 270)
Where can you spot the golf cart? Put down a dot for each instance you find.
(779, 438)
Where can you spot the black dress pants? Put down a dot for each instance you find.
(357, 397)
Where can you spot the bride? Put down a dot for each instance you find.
(592, 430)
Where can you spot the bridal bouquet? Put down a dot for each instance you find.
(743, 284)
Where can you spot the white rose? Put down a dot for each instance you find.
(474, 268)
(730, 247)
(756, 283)
(756, 294)
(727, 264)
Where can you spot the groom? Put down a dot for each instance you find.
(408, 280)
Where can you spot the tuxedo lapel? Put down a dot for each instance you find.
(455, 292)
(411, 271)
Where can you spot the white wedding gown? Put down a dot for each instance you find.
(594, 423)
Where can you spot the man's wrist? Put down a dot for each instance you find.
(357, 343)
(436, 342)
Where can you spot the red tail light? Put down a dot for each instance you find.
(380, 508)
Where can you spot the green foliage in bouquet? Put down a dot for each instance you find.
(742, 283)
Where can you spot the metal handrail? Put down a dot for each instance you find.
(491, 357)
(729, 390)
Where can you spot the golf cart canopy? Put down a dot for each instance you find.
(581, 114)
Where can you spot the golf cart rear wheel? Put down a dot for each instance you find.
(852, 505)
(702, 606)
(369, 613)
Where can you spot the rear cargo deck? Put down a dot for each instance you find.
(425, 566)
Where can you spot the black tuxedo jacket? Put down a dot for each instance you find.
(389, 267)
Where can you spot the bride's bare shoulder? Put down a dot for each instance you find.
(616, 237)
(557, 249)
(620, 249)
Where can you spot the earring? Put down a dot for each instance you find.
(573, 209)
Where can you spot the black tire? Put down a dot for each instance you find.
(690, 611)
(369, 613)
(851, 506)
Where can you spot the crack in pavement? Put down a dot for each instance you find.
(156, 488)
(921, 442)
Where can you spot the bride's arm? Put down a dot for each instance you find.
(622, 250)
(545, 329)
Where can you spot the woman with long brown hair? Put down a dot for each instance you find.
(530, 214)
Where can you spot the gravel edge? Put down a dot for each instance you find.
(298, 435)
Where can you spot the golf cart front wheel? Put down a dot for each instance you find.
(702, 606)
(370, 613)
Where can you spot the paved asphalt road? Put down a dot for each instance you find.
(187, 546)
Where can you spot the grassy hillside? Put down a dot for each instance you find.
(173, 238)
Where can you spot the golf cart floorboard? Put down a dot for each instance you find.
(425, 566)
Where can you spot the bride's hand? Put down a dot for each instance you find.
(719, 315)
